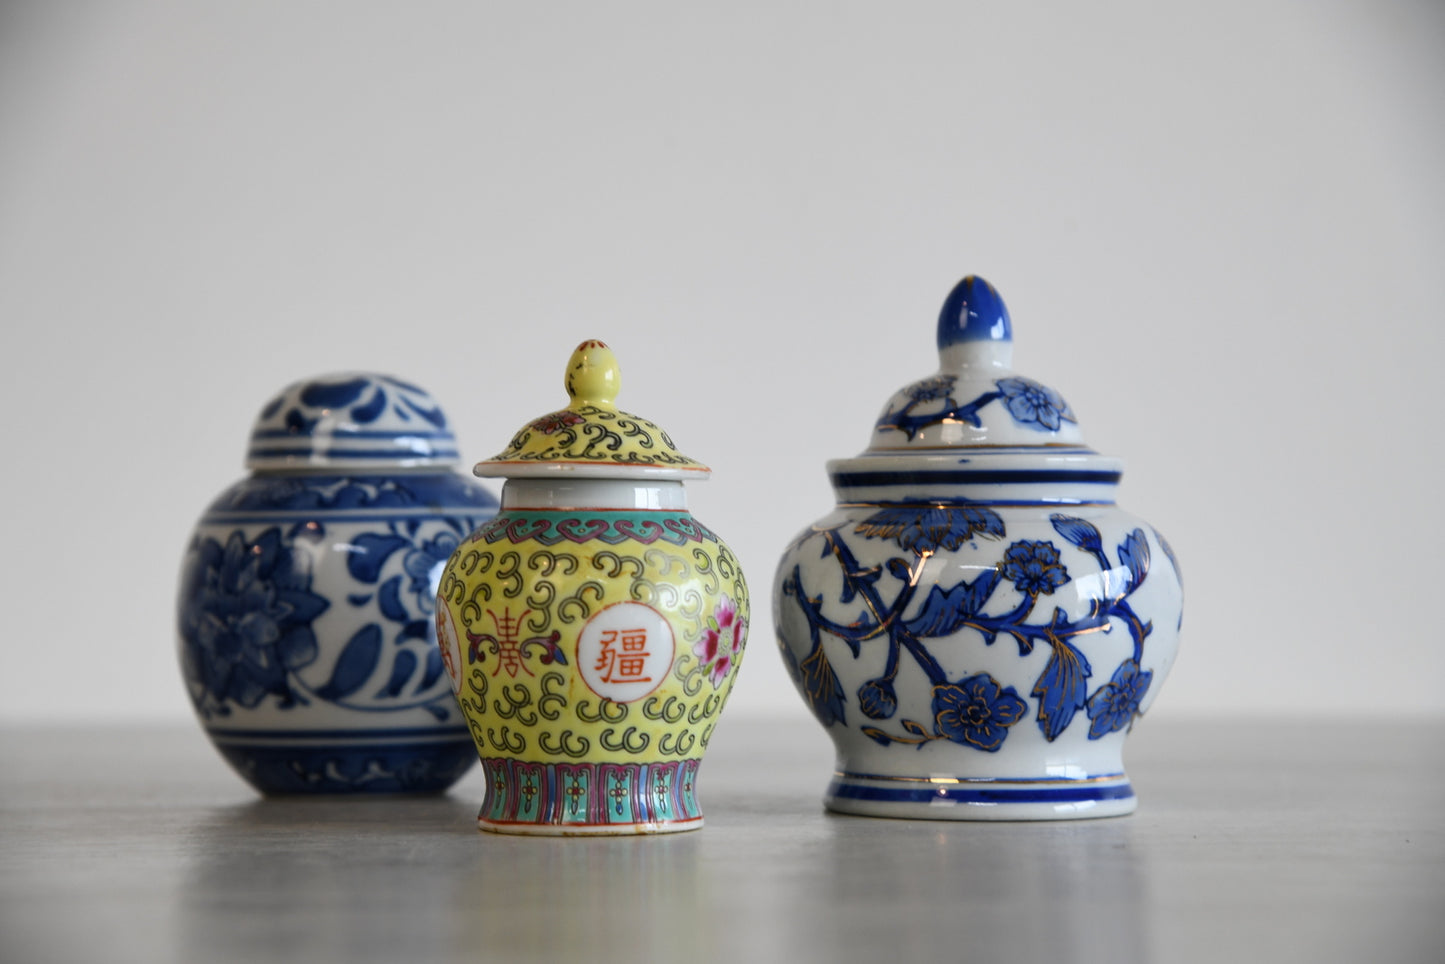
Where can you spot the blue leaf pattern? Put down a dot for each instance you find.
(1078, 532)
(355, 665)
(369, 553)
(401, 671)
(334, 394)
(371, 411)
(1134, 553)
(388, 600)
(944, 611)
(1061, 689)
(434, 669)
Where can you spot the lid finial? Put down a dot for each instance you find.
(975, 399)
(592, 437)
(973, 311)
(592, 374)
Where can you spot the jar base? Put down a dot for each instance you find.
(936, 798)
(589, 798)
(287, 764)
(587, 830)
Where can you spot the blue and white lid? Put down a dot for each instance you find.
(976, 430)
(352, 421)
(975, 398)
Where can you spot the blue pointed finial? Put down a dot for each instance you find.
(973, 311)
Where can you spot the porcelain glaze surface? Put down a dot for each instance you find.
(977, 624)
(593, 630)
(307, 598)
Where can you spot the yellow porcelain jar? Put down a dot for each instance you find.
(592, 630)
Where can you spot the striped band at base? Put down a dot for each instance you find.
(588, 797)
(984, 792)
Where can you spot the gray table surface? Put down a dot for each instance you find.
(1253, 841)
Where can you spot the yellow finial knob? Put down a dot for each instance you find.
(592, 375)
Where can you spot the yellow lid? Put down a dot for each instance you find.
(591, 437)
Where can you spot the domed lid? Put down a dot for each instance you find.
(975, 399)
(351, 421)
(976, 431)
(591, 437)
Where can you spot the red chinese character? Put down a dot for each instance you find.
(627, 664)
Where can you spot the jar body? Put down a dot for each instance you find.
(307, 635)
(978, 659)
(592, 650)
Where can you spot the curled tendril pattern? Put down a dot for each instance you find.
(599, 435)
(533, 588)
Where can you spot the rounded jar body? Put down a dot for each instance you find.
(592, 631)
(307, 593)
(978, 634)
(305, 618)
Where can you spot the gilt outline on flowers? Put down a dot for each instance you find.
(974, 710)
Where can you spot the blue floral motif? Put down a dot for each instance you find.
(1029, 404)
(877, 699)
(1033, 404)
(976, 711)
(424, 565)
(923, 529)
(245, 621)
(1115, 704)
(1034, 567)
(929, 389)
(421, 564)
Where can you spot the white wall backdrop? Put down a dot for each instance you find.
(1220, 229)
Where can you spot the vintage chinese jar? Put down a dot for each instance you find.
(977, 624)
(306, 605)
(594, 628)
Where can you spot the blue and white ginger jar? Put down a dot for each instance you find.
(308, 592)
(977, 624)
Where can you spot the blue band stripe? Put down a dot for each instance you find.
(472, 516)
(985, 795)
(393, 452)
(853, 775)
(979, 477)
(460, 732)
(930, 501)
(352, 433)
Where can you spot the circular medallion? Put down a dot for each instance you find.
(451, 647)
(625, 651)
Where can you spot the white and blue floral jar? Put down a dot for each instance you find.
(307, 600)
(977, 624)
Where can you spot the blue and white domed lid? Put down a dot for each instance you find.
(974, 400)
(352, 421)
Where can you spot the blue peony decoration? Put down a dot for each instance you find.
(245, 621)
(1033, 404)
(1034, 568)
(977, 711)
(424, 564)
(1115, 704)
